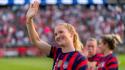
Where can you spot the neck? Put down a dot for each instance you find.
(107, 52)
(68, 48)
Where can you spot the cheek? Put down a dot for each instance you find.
(86, 48)
(102, 48)
(93, 50)
(55, 38)
(67, 37)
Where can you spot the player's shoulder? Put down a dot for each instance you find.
(112, 58)
(55, 48)
(81, 57)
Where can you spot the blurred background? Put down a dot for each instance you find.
(92, 18)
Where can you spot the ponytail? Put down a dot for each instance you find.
(112, 40)
(117, 39)
(77, 44)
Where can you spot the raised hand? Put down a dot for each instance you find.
(33, 8)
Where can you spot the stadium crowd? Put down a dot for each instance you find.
(89, 21)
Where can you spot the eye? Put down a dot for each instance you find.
(60, 32)
(55, 34)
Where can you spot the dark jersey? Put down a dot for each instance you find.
(95, 58)
(108, 62)
(67, 61)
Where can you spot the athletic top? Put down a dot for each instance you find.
(95, 58)
(108, 62)
(67, 61)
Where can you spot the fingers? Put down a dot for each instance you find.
(36, 6)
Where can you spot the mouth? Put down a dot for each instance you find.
(89, 50)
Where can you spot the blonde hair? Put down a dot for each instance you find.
(112, 40)
(92, 39)
(76, 40)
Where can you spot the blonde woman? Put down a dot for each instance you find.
(66, 56)
(107, 45)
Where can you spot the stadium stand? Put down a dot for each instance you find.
(89, 20)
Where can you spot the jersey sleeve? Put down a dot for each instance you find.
(54, 52)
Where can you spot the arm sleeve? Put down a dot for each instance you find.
(54, 52)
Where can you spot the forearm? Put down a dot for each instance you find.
(33, 35)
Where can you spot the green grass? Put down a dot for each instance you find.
(37, 63)
(26, 64)
(121, 62)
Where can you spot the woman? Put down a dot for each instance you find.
(67, 55)
(107, 45)
(93, 56)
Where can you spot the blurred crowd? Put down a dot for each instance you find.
(90, 21)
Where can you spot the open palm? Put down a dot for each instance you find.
(33, 8)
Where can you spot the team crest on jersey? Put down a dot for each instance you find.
(59, 63)
(65, 65)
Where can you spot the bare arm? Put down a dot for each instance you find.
(33, 35)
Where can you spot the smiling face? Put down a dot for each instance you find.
(62, 35)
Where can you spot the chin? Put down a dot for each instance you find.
(89, 55)
(60, 44)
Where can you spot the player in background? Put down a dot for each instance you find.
(93, 56)
(107, 45)
(66, 56)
